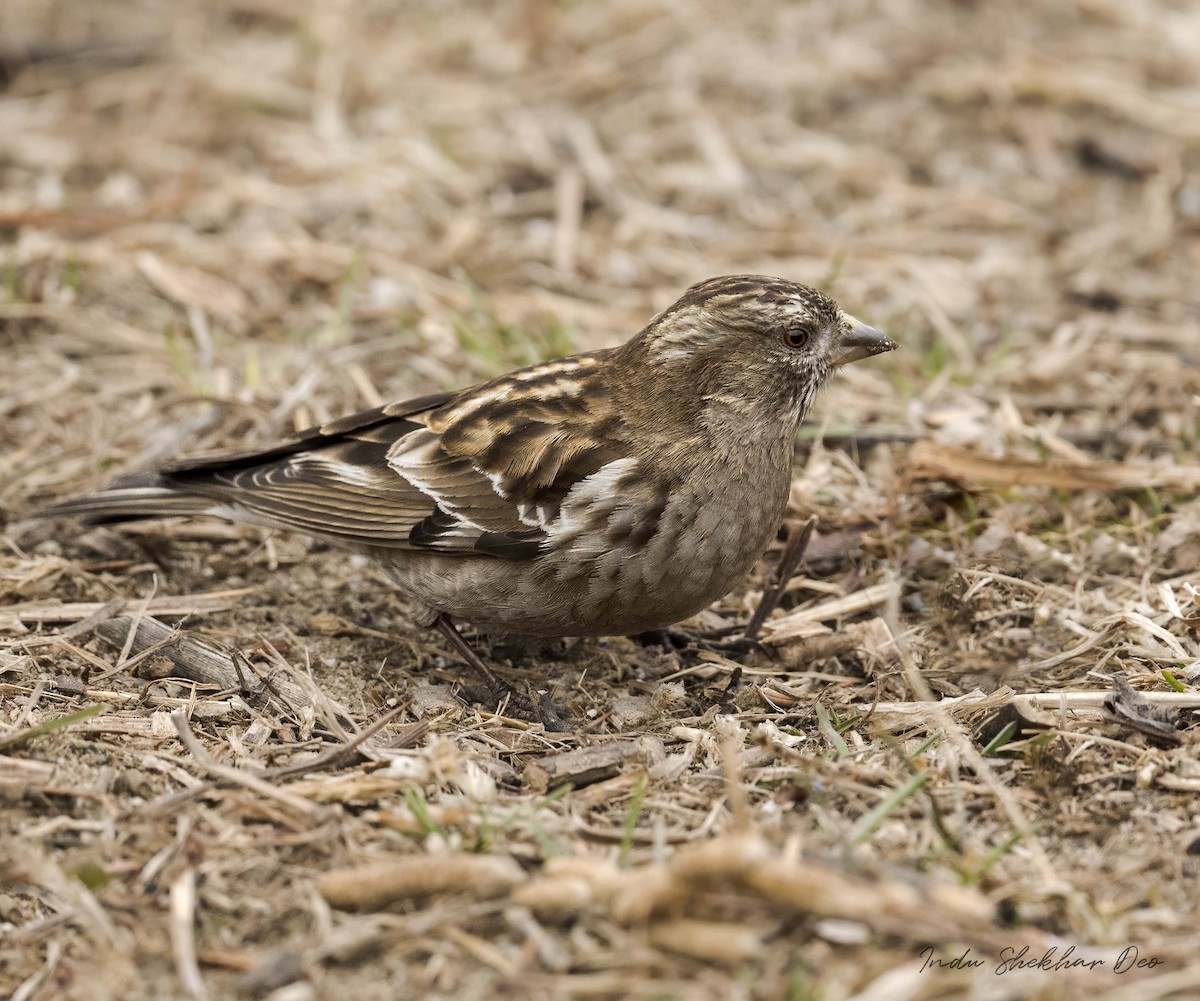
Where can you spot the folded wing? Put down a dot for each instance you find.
(482, 472)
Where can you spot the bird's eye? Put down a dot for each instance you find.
(796, 338)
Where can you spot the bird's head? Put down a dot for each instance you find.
(759, 344)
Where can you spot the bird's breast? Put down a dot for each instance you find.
(694, 544)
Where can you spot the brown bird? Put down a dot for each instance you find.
(608, 493)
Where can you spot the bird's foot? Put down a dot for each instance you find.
(672, 638)
(729, 642)
(495, 692)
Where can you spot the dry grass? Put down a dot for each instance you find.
(228, 766)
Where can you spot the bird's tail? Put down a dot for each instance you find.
(142, 495)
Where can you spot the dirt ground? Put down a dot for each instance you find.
(963, 760)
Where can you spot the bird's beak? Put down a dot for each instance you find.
(860, 341)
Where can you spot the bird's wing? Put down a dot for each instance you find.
(332, 480)
(501, 463)
(484, 471)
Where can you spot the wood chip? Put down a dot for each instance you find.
(581, 766)
(800, 624)
(931, 461)
(45, 612)
(709, 941)
(195, 660)
(21, 775)
(371, 887)
(1130, 708)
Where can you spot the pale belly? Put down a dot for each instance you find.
(699, 553)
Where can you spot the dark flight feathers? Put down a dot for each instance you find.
(450, 473)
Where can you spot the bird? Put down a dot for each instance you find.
(613, 492)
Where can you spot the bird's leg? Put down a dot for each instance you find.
(789, 563)
(542, 710)
(448, 629)
(724, 641)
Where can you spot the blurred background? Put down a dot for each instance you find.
(311, 206)
(227, 219)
